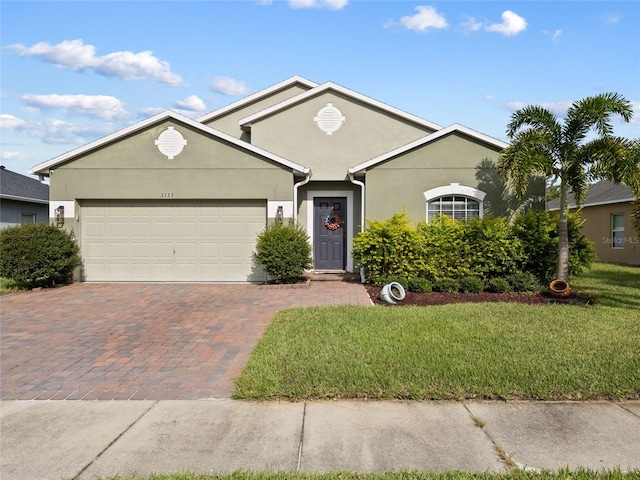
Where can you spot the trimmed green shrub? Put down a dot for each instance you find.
(420, 285)
(538, 232)
(471, 285)
(283, 251)
(37, 254)
(398, 279)
(388, 247)
(498, 285)
(524, 282)
(446, 285)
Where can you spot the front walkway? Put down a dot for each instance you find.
(106, 341)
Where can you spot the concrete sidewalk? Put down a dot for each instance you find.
(65, 439)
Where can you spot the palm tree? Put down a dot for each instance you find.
(541, 145)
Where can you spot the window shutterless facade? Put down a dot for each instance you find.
(456, 207)
(459, 202)
(617, 230)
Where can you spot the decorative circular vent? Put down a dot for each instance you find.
(329, 119)
(170, 143)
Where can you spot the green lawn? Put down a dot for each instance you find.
(455, 352)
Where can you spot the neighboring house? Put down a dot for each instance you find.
(22, 199)
(607, 213)
(176, 199)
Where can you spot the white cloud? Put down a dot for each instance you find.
(150, 111)
(612, 18)
(74, 54)
(13, 155)
(490, 97)
(11, 122)
(98, 106)
(426, 18)
(230, 86)
(512, 24)
(471, 25)
(191, 103)
(330, 4)
(635, 106)
(55, 131)
(555, 36)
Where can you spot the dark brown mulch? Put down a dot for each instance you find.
(437, 298)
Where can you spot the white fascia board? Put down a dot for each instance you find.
(456, 127)
(43, 168)
(345, 91)
(596, 204)
(24, 199)
(256, 96)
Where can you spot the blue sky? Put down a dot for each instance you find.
(75, 71)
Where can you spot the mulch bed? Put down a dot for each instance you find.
(437, 298)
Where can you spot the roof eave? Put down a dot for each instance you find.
(456, 127)
(256, 96)
(45, 167)
(345, 91)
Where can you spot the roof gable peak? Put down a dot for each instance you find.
(43, 168)
(246, 122)
(289, 82)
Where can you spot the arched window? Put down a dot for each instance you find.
(456, 201)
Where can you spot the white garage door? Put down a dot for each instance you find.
(170, 240)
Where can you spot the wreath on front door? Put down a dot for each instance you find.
(333, 221)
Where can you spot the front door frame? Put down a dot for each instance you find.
(311, 194)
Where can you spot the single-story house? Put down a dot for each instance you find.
(175, 199)
(606, 212)
(22, 199)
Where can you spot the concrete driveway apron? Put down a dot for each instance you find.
(130, 341)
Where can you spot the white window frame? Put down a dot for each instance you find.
(454, 190)
(615, 230)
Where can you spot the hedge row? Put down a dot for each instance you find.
(485, 248)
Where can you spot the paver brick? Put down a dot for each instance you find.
(104, 341)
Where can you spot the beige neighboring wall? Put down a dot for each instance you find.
(400, 182)
(366, 133)
(598, 228)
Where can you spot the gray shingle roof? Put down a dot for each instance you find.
(13, 185)
(601, 193)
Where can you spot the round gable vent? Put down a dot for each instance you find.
(170, 143)
(329, 118)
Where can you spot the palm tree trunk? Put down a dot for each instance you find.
(563, 235)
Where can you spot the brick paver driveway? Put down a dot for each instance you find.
(142, 341)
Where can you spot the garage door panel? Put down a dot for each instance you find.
(118, 229)
(140, 229)
(163, 229)
(170, 240)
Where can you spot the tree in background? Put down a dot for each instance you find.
(542, 145)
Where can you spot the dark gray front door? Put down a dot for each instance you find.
(329, 233)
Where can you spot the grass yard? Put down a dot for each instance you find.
(460, 351)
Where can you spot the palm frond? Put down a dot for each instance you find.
(533, 117)
(595, 112)
(531, 153)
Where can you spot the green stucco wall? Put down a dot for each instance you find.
(400, 182)
(366, 133)
(134, 168)
(228, 123)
